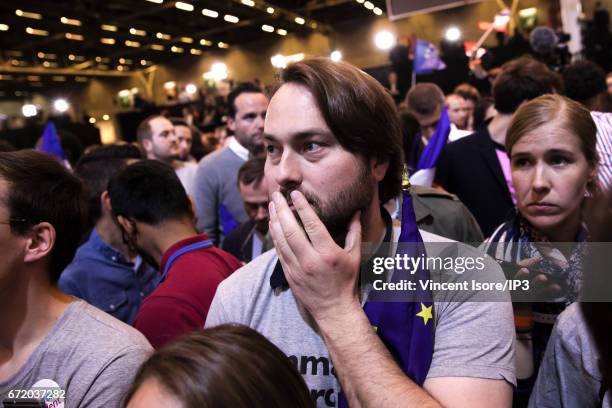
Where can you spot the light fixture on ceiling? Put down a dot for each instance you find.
(267, 28)
(176, 49)
(135, 31)
(335, 56)
(231, 19)
(163, 36)
(29, 110)
(210, 13)
(384, 40)
(108, 27)
(195, 51)
(378, 11)
(134, 44)
(70, 21)
(281, 31)
(249, 3)
(221, 44)
(107, 41)
(61, 105)
(35, 31)
(186, 40)
(181, 5)
(299, 20)
(28, 14)
(4, 27)
(74, 37)
(191, 89)
(452, 34)
(270, 10)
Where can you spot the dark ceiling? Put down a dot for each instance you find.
(46, 42)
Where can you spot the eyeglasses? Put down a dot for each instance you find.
(257, 206)
(13, 221)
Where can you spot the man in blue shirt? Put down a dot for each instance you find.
(103, 271)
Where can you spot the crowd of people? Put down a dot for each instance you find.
(143, 276)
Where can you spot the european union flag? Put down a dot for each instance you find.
(406, 327)
(426, 168)
(426, 59)
(51, 144)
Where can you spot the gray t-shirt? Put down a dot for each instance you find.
(569, 375)
(472, 339)
(89, 354)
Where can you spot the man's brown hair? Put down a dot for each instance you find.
(40, 189)
(523, 79)
(225, 366)
(252, 171)
(424, 98)
(357, 110)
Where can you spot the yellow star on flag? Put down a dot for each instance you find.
(425, 313)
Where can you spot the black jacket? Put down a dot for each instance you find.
(239, 242)
(469, 169)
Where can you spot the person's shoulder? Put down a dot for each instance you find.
(101, 333)
(433, 194)
(571, 327)
(466, 143)
(251, 276)
(214, 158)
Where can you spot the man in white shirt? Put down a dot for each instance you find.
(218, 201)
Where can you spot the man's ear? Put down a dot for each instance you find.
(379, 169)
(105, 202)
(125, 224)
(231, 124)
(40, 242)
(147, 145)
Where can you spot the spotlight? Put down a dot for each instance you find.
(191, 89)
(384, 40)
(453, 34)
(335, 55)
(28, 110)
(61, 105)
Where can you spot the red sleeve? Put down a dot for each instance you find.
(162, 319)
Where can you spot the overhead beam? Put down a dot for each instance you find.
(62, 71)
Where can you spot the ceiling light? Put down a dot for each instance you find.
(27, 14)
(176, 49)
(4, 27)
(205, 42)
(378, 11)
(143, 62)
(70, 21)
(195, 51)
(120, 68)
(40, 54)
(157, 47)
(134, 44)
(360, 1)
(135, 31)
(28, 110)
(186, 40)
(191, 89)
(231, 19)
(98, 59)
(281, 31)
(75, 37)
(156, 1)
(369, 5)
(210, 13)
(122, 60)
(163, 36)
(221, 44)
(452, 34)
(59, 78)
(81, 79)
(183, 6)
(33, 78)
(108, 27)
(270, 10)
(92, 120)
(61, 105)
(218, 71)
(169, 85)
(267, 28)
(249, 3)
(109, 41)
(278, 61)
(335, 56)
(71, 57)
(34, 31)
(384, 40)
(299, 20)
(46, 64)
(105, 117)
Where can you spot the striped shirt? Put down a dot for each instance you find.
(603, 121)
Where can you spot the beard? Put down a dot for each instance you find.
(336, 211)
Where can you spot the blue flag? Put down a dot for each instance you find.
(426, 59)
(438, 140)
(51, 144)
(405, 327)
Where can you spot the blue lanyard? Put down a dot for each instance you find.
(184, 250)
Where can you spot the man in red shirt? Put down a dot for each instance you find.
(157, 221)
